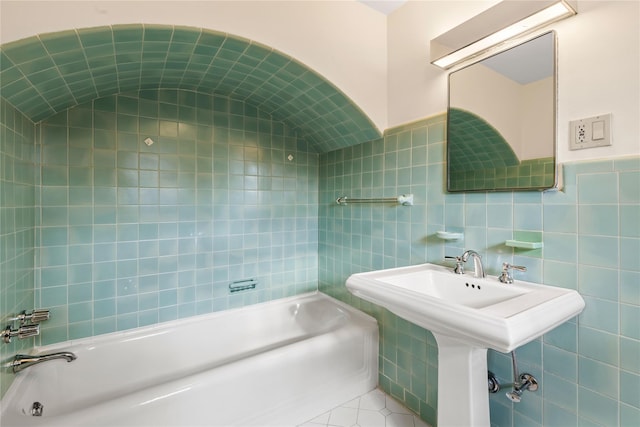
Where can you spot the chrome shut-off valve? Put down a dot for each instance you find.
(526, 382)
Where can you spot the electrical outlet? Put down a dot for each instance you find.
(590, 132)
(581, 132)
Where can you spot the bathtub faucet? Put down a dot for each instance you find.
(23, 361)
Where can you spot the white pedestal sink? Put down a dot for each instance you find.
(467, 315)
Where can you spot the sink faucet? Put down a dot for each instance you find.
(477, 262)
(23, 361)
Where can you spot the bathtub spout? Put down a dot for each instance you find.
(23, 361)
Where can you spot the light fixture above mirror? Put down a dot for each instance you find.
(498, 24)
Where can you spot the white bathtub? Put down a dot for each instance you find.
(277, 363)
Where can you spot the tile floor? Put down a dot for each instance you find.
(374, 409)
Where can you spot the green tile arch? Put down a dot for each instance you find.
(48, 73)
(474, 144)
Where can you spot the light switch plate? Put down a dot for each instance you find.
(590, 132)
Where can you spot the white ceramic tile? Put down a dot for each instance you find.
(322, 419)
(355, 403)
(400, 420)
(374, 400)
(343, 417)
(374, 409)
(371, 418)
(395, 406)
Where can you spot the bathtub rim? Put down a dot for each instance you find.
(354, 314)
(355, 317)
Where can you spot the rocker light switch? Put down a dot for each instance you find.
(597, 130)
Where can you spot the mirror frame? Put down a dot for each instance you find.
(554, 101)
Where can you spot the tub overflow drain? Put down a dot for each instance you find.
(36, 409)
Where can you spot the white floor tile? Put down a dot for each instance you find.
(374, 409)
(355, 403)
(395, 406)
(385, 411)
(343, 417)
(322, 419)
(371, 418)
(374, 400)
(400, 420)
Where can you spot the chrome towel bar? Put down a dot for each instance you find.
(242, 285)
(403, 199)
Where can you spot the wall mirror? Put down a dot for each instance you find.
(501, 120)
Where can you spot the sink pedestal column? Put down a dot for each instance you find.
(463, 391)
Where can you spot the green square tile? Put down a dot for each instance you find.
(63, 41)
(10, 75)
(597, 188)
(53, 256)
(629, 190)
(54, 236)
(5, 63)
(81, 196)
(24, 50)
(80, 215)
(148, 127)
(54, 175)
(149, 179)
(157, 33)
(79, 236)
(185, 35)
(211, 38)
(127, 105)
(35, 66)
(15, 88)
(127, 33)
(95, 36)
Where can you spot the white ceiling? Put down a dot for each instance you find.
(384, 6)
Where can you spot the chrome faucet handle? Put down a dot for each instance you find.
(459, 269)
(27, 331)
(506, 277)
(24, 331)
(39, 315)
(36, 316)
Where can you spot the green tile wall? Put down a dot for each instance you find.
(481, 159)
(48, 73)
(534, 173)
(130, 235)
(475, 144)
(589, 367)
(17, 210)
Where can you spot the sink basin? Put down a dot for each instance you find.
(467, 316)
(481, 312)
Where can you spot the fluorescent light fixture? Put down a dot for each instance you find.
(496, 25)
